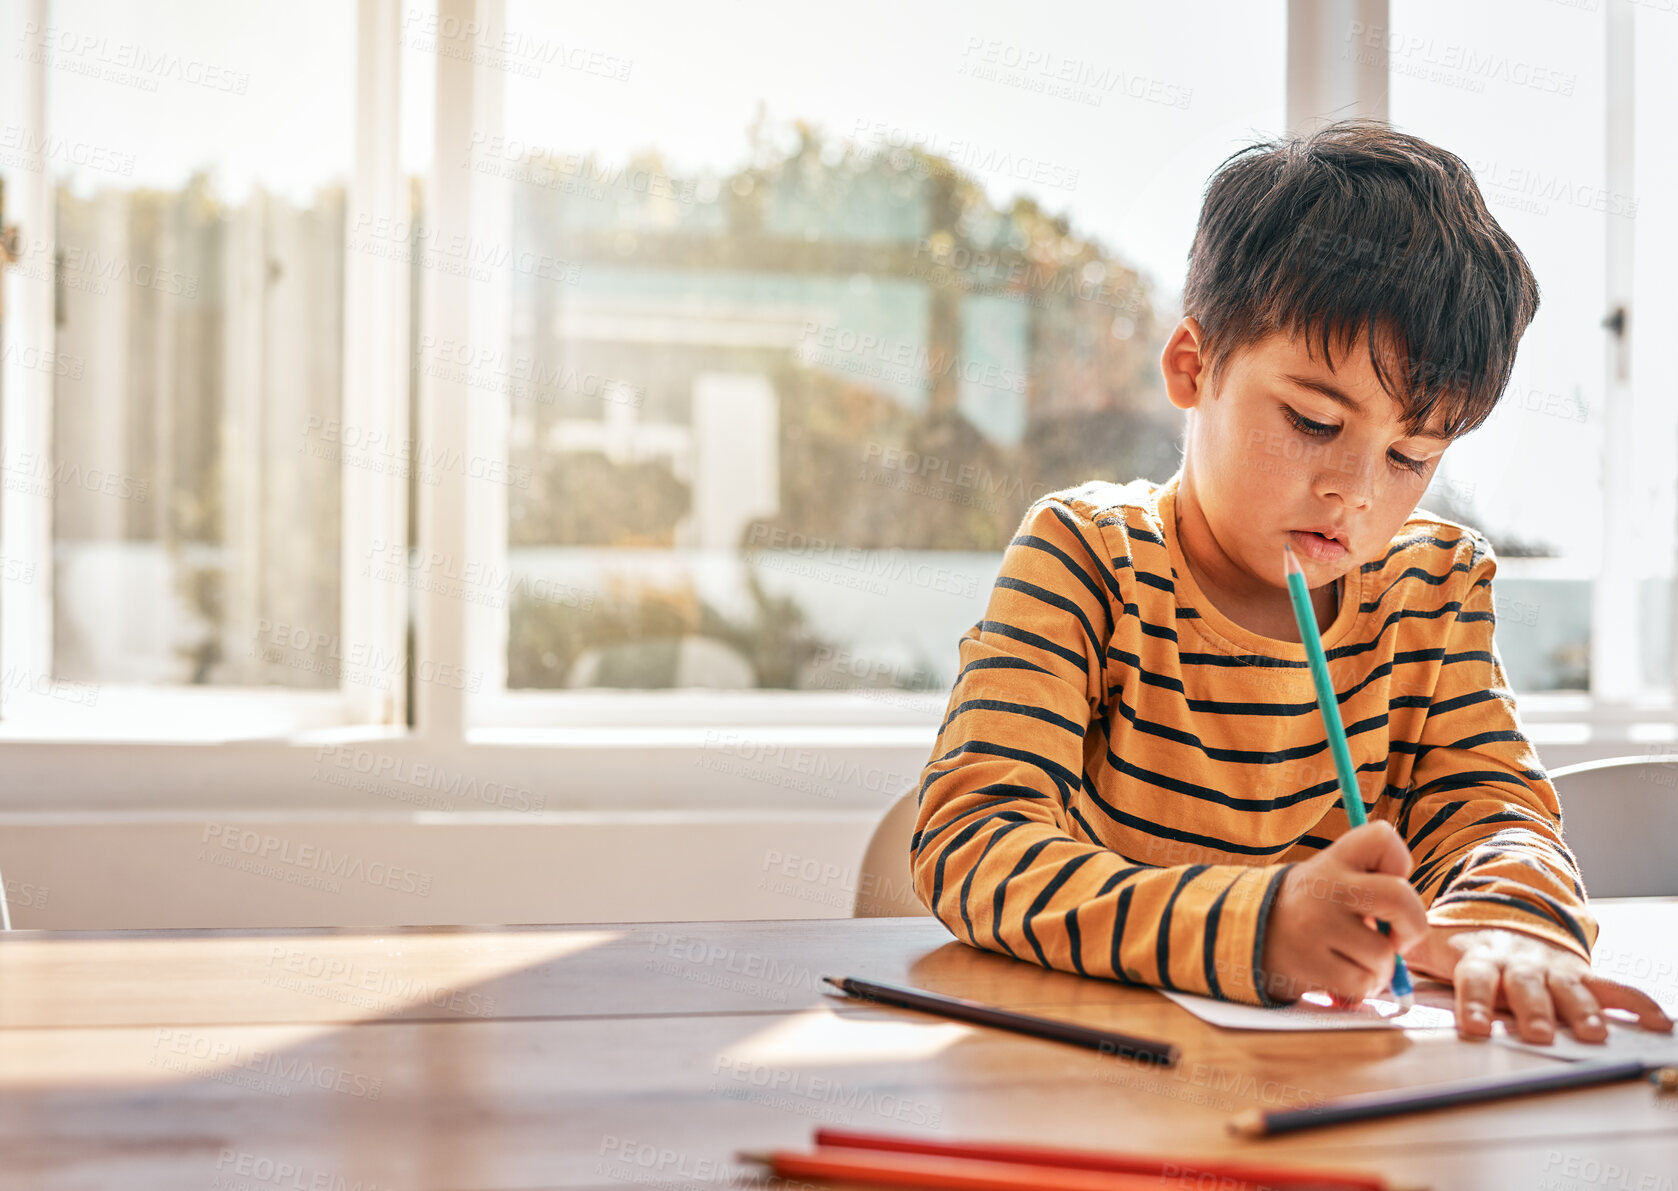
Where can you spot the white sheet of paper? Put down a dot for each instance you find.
(1432, 1011)
(1624, 1042)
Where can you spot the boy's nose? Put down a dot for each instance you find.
(1349, 477)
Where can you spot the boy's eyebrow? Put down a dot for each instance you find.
(1326, 389)
(1351, 403)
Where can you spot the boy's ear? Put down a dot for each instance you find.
(1183, 365)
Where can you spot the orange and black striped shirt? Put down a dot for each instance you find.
(1123, 774)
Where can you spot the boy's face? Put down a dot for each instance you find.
(1289, 450)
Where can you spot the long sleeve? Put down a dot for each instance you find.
(998, 857)
(1482, 819)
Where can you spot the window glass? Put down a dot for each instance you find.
(838, 295)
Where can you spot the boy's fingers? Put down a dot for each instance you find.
(1578, 1008)
(1612, 994)
(1476, 981)
(1373, 848)
(1398, 860)
(1364, 946)
(1347, 980)
(1528, 994)
(1395, 902)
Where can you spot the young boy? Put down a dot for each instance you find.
(1132, 779)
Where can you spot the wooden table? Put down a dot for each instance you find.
(645, 1055)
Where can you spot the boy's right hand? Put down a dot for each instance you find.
(1321, 933)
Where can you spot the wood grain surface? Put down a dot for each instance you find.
(624, 1056)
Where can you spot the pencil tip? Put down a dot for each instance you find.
(761, 1156)
(1247, 1124)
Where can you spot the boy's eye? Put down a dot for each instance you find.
(1306, 425)
(1322, 430)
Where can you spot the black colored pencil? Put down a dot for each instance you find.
(1257, 1123)
(1107, 1041)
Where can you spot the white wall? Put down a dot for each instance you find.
(110, 871)
(129, 836)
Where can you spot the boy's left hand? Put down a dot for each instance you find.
(1537, 981)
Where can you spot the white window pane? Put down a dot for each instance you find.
(200, 177)
(844, 292)
(1517, 91)
(1654, 365)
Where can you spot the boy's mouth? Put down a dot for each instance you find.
(1320, 545)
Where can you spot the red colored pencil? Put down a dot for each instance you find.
(1257, 1174)
(942, 1174)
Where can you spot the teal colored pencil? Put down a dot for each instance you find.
(1329, 704)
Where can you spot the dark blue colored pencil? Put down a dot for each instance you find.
(1110, 1042)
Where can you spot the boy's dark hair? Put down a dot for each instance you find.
(1358, 230)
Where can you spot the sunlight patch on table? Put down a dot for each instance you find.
(394, 974)
(822, 1036)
